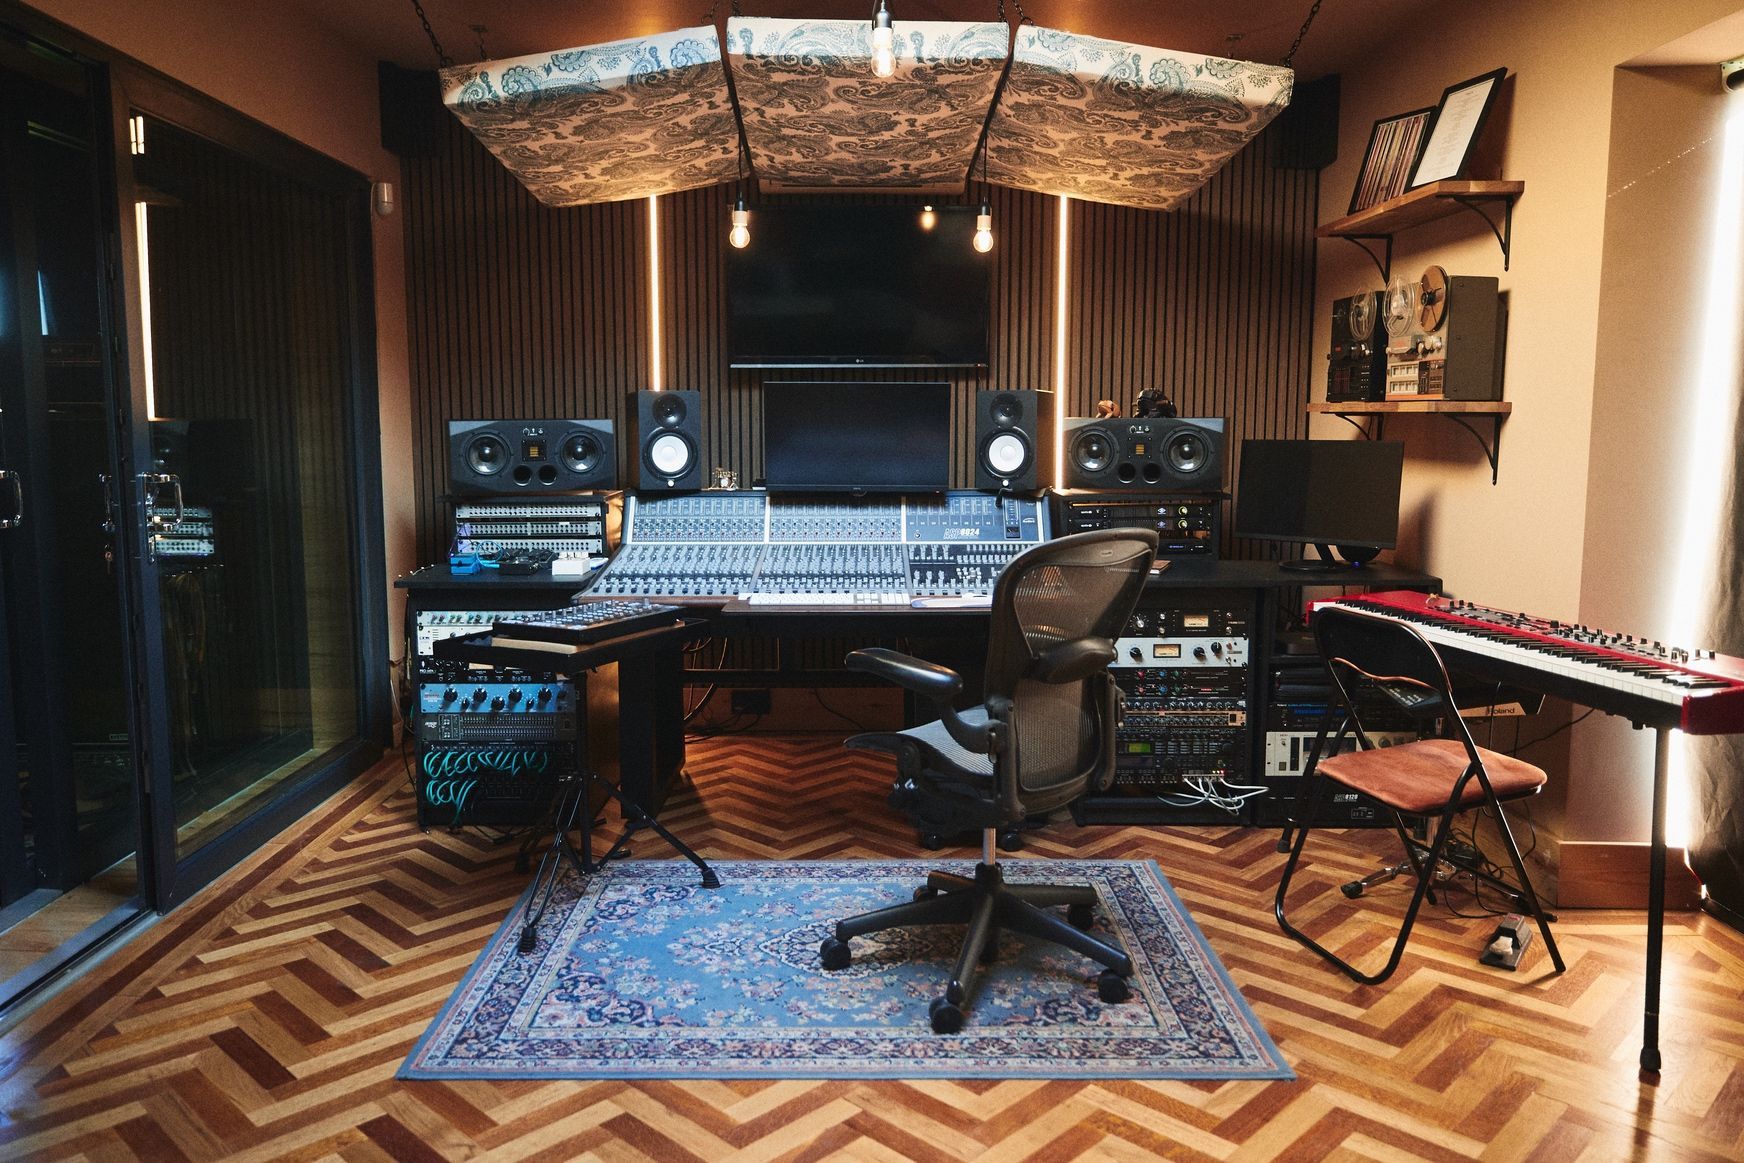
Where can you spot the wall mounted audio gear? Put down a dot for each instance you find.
(502, 457)
(1445, 337)
(1144, 453)
(667, 440)
(1356, 363)
(1014, 440)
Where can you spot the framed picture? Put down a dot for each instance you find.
(1454, 130)
(1394, 144)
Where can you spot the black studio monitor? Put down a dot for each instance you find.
(489, 458)
(667, 441)
(1126, 453)
(1014, 440)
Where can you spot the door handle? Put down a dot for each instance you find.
(16, 479)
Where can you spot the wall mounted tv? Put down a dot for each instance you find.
(857, 438)
(858, 286)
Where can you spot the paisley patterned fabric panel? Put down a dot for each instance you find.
(1119, 123)
(816, 116)
(605, 122)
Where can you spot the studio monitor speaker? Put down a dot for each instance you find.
(667, 440)
(498, 457)
(1144, 453)
(1014, 440)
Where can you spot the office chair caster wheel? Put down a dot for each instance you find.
(1010, 840)
(925, 892)
(1111, 987)
(1352, 890)
(946, 1018)
(931, 841)
(529, 938)
(834, 953)
(1080, 916)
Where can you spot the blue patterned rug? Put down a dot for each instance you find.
(640, 973)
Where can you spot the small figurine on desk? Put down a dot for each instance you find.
(1107, 409)
(1153, 402)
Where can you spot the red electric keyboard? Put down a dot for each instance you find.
(1697, 691)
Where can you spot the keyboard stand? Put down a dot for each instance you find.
(576, 803)
(575, 809)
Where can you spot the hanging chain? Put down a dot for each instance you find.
(709, 16)
(479, 30)
(1297, 43)
(1022, 16)
(442, 58)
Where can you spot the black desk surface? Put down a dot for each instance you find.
(1181, 574)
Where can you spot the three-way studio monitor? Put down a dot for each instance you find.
(488, 458)
(1014, 440)
(1144, 452)
(667, 440)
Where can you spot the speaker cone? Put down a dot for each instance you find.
(1006, 410)
(1006, 454)
(487, 455)
(669, 454)
(580, 452)
(1093, 450)
(668, 409)
(1187, 451)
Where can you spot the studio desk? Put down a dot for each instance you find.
(1194, 661)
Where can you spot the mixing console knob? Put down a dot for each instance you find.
(1135, 654)
(449, 695)
(1217, 649)
(1199, 653)
(478, 694)
(514, 694)
(497, 703)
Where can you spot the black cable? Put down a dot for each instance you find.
(1552, 734)
(848, 719)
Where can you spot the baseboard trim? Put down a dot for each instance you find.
(1611, 875)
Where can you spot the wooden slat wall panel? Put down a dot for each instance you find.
(518, 309)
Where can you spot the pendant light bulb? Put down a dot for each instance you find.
(984, 229)
(928, 218)
(883, 43)
(740, 234)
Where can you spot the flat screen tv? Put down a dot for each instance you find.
(866, 286)
(856, 438)
(1324, 493)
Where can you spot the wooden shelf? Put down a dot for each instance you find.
(1426, 204)
(1454, 410)
(1374, 407)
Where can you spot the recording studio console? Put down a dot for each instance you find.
(720, 546)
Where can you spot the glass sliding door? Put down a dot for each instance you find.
(69, 776)
(250, 350)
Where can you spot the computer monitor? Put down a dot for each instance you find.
(1323, 493)
(856, 437)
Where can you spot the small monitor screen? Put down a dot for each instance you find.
(857, 438)
(1341, 493)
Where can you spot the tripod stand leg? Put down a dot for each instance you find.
(636, 818)
(551, 864)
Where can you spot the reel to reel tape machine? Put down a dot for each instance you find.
(1445, 337)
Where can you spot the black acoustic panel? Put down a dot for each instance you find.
(1306, 137)
(491, 458)
(1014, 439)
(1144, 453)
(411, 110)
(667, 441)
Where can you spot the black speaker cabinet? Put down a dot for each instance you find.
(1014, 440)
(1144, 453)
(667, 441)
(488, 458)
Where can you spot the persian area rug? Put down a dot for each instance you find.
(641, 973)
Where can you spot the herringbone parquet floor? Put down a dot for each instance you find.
(265, 1019)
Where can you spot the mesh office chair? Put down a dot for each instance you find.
(1043, 734)
(1377, 661)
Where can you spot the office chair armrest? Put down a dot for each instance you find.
(938, 683)
(1075, 660)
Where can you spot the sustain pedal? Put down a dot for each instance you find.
(1508, 943)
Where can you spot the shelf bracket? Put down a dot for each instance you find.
(1384, 265)
(1505, 231)
(1492, 450)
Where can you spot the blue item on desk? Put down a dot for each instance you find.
(462, 563)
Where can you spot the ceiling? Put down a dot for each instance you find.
(1257, 30)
